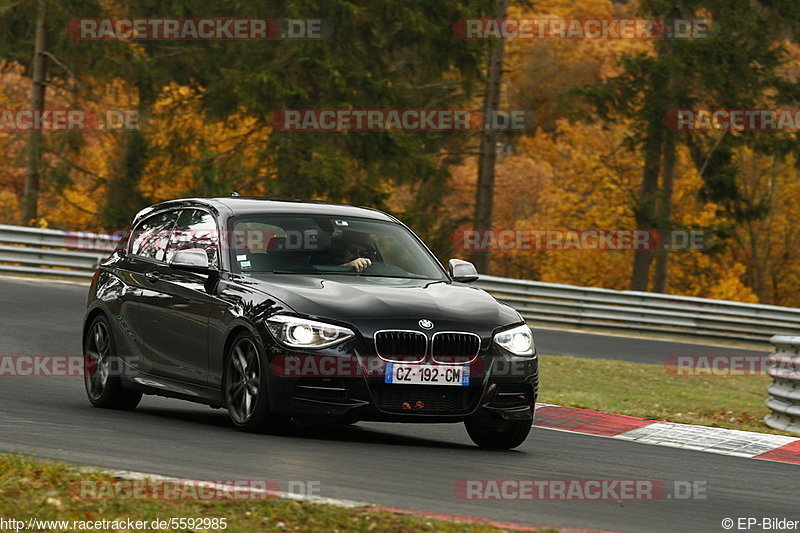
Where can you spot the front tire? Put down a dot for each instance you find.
(245, 389)
(498, 434)
(103, 388)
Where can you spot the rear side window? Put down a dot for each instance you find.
(151, 236)
(196, 229)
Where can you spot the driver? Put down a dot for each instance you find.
(352, 249)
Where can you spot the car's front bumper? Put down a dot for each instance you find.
(501, 386)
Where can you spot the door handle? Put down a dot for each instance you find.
(151, 276)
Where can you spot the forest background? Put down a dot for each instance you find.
(595, 152)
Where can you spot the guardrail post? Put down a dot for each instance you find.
(784, 392)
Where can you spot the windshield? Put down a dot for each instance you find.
(325, 245)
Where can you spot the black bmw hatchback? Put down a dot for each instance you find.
(304, 312)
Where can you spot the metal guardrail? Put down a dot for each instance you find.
(633, 312)
(784, 392)
(47, 252)
(72, 254)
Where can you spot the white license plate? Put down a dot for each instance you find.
(402, 374)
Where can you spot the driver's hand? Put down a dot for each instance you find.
(359, 264)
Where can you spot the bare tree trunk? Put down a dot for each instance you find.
(665, 209)
(645, 209)
(484, 194)
(122, 197)
(30, 198)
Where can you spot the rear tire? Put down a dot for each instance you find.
(103, 388)
(244, 385)
(498, 434)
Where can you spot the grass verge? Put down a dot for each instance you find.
(45, 490)
(649, 391)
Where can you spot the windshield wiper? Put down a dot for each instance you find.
(308, 272)
(390, 276)
(346, 273)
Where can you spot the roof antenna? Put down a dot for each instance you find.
(234, 193)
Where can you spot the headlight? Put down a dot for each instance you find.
(517, 340)
(303, 333)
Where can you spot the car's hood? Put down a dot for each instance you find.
(359, 298)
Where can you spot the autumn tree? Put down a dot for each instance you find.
(736, 66)
(35, 36)
(384, 56)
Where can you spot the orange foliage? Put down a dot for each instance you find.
(180, 139)
(14, 88)
(194, 156)
(585, 177)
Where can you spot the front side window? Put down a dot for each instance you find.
(151, 236)
(328, 245)
(196, 229)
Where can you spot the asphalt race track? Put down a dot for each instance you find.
(409, 466)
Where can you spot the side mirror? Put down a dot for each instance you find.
(462, 271)
(193, 260)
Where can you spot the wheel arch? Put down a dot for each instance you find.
(232, 334)
(237, 328)
(90, 316)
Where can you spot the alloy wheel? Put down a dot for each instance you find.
(98, 353)
(243, 380)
